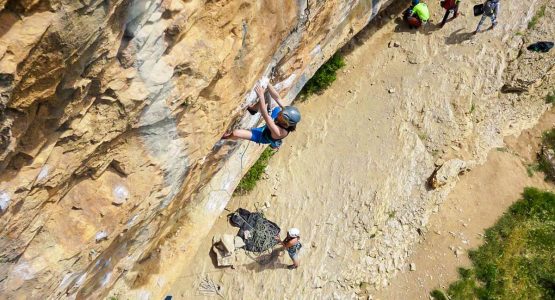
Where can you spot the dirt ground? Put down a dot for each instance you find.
(479, 199)
(353, 176)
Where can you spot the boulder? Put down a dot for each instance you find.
(223, 258)
(228, 242)
(448, 171)
(238, 242)
(216, 239)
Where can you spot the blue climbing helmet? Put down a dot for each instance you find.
(292, 115)
(414, 2)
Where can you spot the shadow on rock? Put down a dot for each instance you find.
(429, 28)
(267, 261)
(458, 37)
(426, 29)
(403, 27)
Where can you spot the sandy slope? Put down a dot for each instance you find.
(353, 177)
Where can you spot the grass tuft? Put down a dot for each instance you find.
(550, 98)
(536, 18)
(472, 108)
(516, 261)
(323, 78)
(253, 175)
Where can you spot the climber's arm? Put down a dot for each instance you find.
(275, 95)
(262, 109)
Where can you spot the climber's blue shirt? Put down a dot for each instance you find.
(262, 135)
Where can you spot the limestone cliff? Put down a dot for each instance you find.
(110, 117)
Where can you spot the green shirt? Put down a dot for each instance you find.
(421, 10)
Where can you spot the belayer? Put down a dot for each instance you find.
(292, 245)
(280, 121)
(417, 14)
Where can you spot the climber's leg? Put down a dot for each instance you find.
(238, 134)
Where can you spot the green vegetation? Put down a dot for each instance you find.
(548, 140)
(550, 98)
(423, 136)
(248, 182)
(539, 14)
(472, 108)
(532, 168)
(516, 260)
(323, 78)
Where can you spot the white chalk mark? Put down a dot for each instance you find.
(81, 279)
(65, 280)
(121, 194)
(316, 51)
(43, 172)
(287, 83)
(101, 235)
(24, 271)
(4, 200)
(106, 278)
(131, 221)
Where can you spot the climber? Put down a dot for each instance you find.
(449, 6)
(417, 14)
(279, 122)
(491, 9)
(293, 245)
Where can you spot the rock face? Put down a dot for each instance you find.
(109, 113)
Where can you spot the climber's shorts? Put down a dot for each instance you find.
(293, 251)
(258, 135)
(294, 256)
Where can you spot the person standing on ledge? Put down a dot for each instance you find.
(279, 121)
(293, 245)
(450, 6)
(491, 9)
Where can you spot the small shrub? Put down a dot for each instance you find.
(253, 175)
(548, 140)
(536, 18)
(438, 295)
(423, 136)
(550, 98)
(532, 168)
(323, 78)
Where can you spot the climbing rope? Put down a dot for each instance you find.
(262, 232)
(263, 236)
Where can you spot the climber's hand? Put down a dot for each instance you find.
(259, 91)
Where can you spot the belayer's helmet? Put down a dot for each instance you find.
(292, 115)
(293, 232)
(414, 2)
